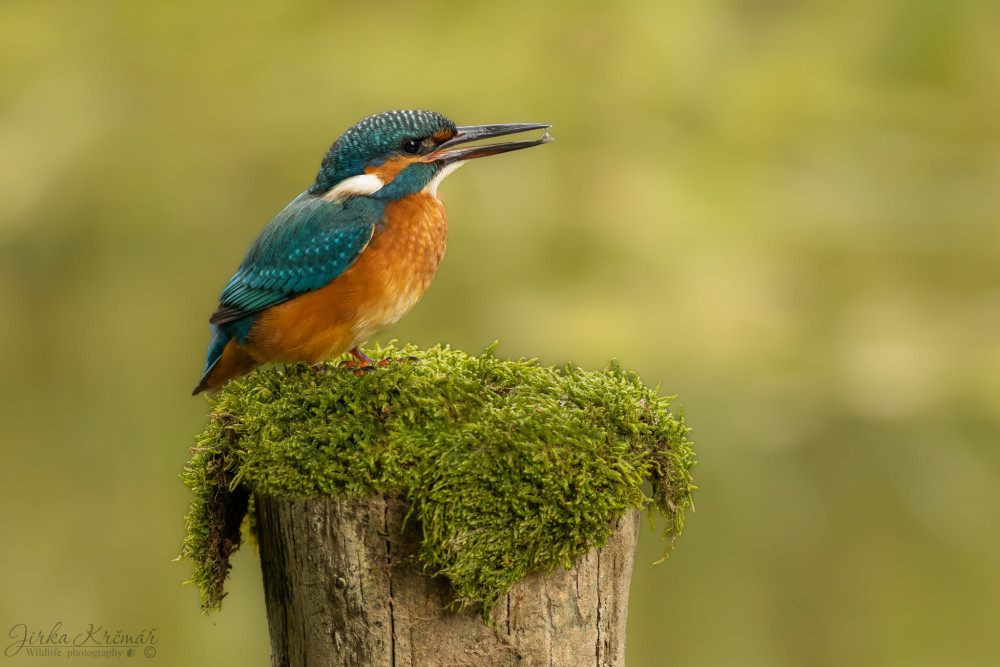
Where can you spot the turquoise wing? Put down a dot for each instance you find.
(306, 246)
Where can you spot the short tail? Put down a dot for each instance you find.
(227, 360)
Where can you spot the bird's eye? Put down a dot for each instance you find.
(410, 146)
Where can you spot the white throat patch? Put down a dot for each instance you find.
(432, 187)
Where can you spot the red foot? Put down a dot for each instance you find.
(362, 363)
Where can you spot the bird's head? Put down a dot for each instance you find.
(396, 153)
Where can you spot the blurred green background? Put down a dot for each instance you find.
(783, 212)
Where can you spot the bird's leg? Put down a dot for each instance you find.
(362, 358)
(363, 361)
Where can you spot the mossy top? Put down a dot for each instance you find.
(510, 467)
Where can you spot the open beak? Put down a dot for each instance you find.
(447, 154)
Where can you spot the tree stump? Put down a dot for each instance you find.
(344, 588)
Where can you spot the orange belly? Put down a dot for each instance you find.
(382, 285)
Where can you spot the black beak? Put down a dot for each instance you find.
(446, 154)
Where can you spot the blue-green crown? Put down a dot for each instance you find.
(373, 140)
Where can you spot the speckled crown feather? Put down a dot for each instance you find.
(376, 135)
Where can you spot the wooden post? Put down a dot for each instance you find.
(344, 588)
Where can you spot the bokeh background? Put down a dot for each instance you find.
(783, 212)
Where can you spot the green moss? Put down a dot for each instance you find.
(510, 467)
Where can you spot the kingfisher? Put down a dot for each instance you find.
(352, 254)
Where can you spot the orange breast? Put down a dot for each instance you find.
(382, 285)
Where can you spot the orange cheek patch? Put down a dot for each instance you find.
(389, 170)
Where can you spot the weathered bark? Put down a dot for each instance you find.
(344, 588)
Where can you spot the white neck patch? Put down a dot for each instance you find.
(432, 187)
(355, 186)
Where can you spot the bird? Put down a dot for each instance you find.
(352, 254)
